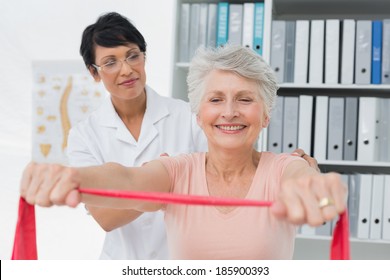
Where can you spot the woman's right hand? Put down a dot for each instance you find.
(50, 184)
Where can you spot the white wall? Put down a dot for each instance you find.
(51, 30)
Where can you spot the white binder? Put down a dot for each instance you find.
(332, 43)
(316, 58)
(346, 179)
(335, 128)
(363, 229)
(184, 43)
(275, 128)
(290, 52)
(368, 129)
(350, 125)
(261, 141)
(203, 14)
(212, 25)
(194, 29)
(386, 209)
(321, 128)
(248, 25)
(307, 230)
(301, 51)
(325, 229)
(290, 123)
(376, 221)
(235, 24)
(348, 51)
(305, 123)
(363, 52)
(384, 130)
(278, 51)
(386, 54)
(353, 203)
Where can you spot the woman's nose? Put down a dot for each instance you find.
(230, 110)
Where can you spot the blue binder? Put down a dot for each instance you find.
(258, 29)
(222, 23)
(376, 66)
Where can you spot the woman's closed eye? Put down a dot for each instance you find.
(215, 99)
(241, 100)
(245, 100)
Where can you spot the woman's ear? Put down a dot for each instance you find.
(95, 74)
(198, 120)
(265, 121)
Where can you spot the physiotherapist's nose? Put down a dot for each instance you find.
(126, 69)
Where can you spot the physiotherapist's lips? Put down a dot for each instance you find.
(128, 82)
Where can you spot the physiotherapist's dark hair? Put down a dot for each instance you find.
(110, 30)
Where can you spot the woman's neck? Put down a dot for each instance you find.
(230, 174)
(228, 163)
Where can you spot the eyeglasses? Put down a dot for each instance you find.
(114, 66)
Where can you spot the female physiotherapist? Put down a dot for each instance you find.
(131, 127)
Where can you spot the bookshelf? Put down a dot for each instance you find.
(179, 86)
(313, 247)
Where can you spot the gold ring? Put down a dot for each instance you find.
(326, 201)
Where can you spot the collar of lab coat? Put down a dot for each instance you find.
(155, 111)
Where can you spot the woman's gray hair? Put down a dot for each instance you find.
(238, 59)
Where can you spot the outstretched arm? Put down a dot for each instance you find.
(83, 151)
(50, 184)
(307, 196)
(110, 219)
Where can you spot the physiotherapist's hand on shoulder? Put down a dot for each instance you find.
(50, 184)
(161, 155)
(310, 160)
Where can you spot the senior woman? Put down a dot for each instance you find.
(232, 90)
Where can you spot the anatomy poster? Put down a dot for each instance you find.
(64, 93)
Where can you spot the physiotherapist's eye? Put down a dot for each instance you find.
(136, 55)
(110, 63)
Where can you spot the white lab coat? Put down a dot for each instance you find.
(168, 126)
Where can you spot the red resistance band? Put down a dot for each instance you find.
(25, 236)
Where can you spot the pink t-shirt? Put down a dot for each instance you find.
(203, 232)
